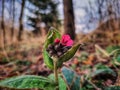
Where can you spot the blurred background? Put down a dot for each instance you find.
(25, 23)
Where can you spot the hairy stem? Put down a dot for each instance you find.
(56, 74)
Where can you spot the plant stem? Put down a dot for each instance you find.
(56, 74)
(94, 85)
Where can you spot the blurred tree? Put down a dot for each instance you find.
(45, 13)
(2, 22)
(69, 24)
(21, 20)
(13, 19)
(104, 12)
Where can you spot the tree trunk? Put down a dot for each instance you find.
(13, 19)
(2, 23)
(21, 21)
(69, 24)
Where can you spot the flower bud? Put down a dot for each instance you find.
(50, 46)
(68, 47)
(57, 47)
(47, 50)
(65, 49)
(59, 54)
(57, 40)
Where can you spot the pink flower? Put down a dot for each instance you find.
(66, 40)
(57, 40)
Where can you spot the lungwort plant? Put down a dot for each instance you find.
(57, 50)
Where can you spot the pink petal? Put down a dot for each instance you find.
(69, 43)
(65, 38)
(57, 40)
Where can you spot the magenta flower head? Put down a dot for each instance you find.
(58, 49)
(66, 40)
(60, 46)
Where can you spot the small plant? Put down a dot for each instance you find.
(57, 49)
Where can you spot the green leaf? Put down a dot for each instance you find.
(71, 78)
(52, 34)
(27, 82)
(109, 49)
(118, 58)
(115, 51)
(62, 84)
(68, 55)
(104, 71)
(101, 66)
(112, 88)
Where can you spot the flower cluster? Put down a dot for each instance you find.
(60, 46)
